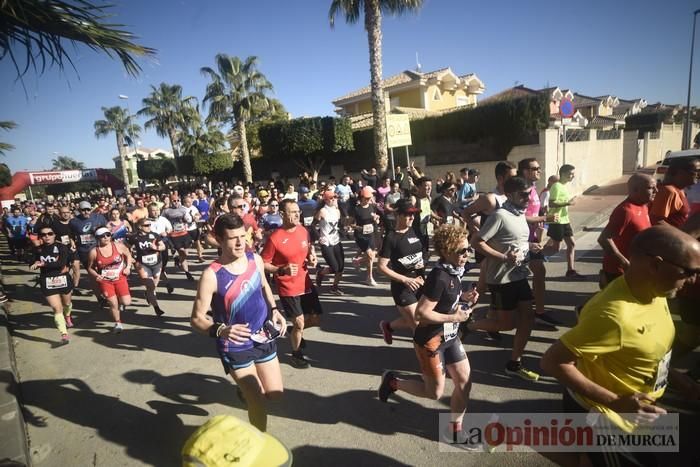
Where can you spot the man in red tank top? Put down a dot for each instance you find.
(288, 254)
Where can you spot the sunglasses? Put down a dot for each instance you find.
(239, 207)
(47, 234)
(536, 169)
(145, 225)
(86, 209)
(463, 252)
(687, 272)
(273, 205)
(105, 235)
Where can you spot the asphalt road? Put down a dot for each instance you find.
(134, 398)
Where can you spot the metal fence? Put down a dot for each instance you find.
(608, 134)
(574, 136)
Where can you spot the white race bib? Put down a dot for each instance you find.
(111, 274)
(149, 260)
(65, 239)
(449, 331)
(179, 227)
(56, 282)
(662, 372)
(449, 220)
(367, 229)
(308, 221)
(87, 239)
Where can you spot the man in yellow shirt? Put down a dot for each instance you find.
(616, 359)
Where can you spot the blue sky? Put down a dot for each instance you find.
(631, 50)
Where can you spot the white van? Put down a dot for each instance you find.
(662, 166)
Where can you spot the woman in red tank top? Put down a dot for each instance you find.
(110, 264)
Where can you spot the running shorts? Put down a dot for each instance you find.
(364, 242)
(194, 234)
(507, 296)
(54, 285)
(558, 232)
(119, 288)
(180, 242)
(151, 271)
(435, 355)
(259, 353)
(307, 304)
(403, 296)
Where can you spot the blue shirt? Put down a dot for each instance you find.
(203, 208)
(17, 226)
(343, 192)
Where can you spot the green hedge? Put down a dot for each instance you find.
(646, 121)
(203, 164)
(155, 169)
(302, 137)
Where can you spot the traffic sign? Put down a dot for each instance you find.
(566, 108)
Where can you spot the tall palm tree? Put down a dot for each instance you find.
(66, 163)
(41, 28)
(165, 107)
(232, 94)
(373, 10)
(6, 125)
(118, 121)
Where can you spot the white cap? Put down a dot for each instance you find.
(101, 231)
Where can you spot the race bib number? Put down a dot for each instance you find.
(111, 274)
(449, 331)
(65, 239)
(429, 228)
(149, 260)
(367, 229)
(179, 227)
(87, 239)
(56, 282)
(413, 261)
(308, 221)
(449, 220)
(662, 372)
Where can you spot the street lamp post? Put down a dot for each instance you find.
(124, 169)
(686, 133)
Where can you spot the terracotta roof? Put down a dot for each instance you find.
(585, 101)
(405, 76)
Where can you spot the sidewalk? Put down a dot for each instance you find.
(593, 209)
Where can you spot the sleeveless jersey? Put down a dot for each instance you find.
(328, 226)
(238, 300)
(110, 267)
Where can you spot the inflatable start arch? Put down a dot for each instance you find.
(21, 180)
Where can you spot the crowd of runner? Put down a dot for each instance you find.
(422, 234)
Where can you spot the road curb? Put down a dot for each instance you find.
(14, 448)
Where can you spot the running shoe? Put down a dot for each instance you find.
(200, 260)
(386, 332)
(65, 339)
(546, 319)
(69, 322)
(3, 298)
(189, 276)
(319, 277)
(572, 274)
(169, 287)
(387, 386)
(298, 361)
(521, 372)
(158, 311)
(494, 336)
(357, 262)
(371, 282)
(118, 328)
(336, 290)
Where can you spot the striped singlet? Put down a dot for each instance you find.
(238, 300)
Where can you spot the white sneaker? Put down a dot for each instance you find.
(118, 328)
(371, 282)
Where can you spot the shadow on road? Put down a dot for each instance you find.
(339, 457)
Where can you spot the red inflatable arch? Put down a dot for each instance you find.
(21, 180)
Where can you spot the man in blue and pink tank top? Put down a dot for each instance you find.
(246, 320)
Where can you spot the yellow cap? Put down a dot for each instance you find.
(227, 441)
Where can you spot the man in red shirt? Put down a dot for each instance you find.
(671, 205)
(628, 219)
(288, 253)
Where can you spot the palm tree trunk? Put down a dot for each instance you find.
(173, 138)
(122, 161)
(373, 25)
(245, 155)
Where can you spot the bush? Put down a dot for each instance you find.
(155, 169)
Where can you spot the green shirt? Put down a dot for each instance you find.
(558, 194)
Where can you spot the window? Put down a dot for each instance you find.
(436, 95)
(394, 102)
